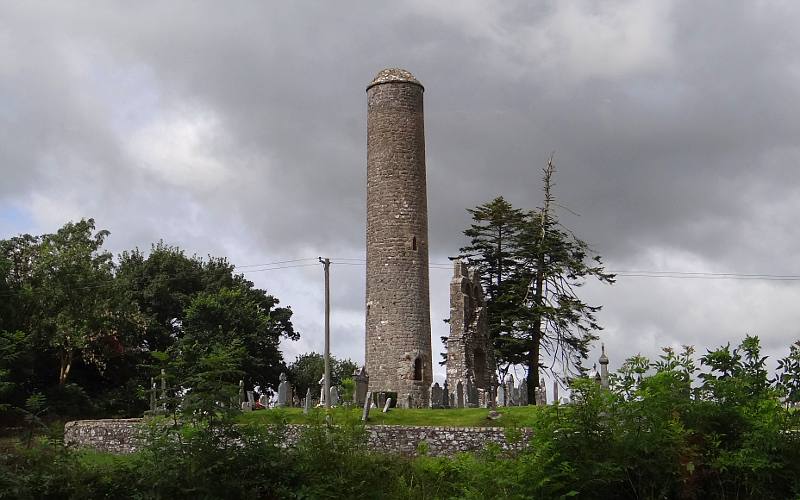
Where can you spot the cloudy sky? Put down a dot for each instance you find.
(239, 130)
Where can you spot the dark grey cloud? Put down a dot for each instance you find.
(240, 130)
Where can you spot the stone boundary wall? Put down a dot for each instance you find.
(125, 436)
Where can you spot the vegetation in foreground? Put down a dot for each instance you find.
(654, 435)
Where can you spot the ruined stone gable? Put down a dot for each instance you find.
(469, 349)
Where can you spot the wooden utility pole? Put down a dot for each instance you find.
(326, 264)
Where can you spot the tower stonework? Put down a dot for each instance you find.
(398, 329)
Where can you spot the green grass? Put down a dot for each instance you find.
(523, 416)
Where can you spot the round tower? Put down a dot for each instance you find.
(398, 330)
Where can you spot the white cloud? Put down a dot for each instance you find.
(179, 148)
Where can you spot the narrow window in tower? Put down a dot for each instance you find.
(417, 369)
(414, 243)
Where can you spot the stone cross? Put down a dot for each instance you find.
(334, 396)
(284, 391)
(436, 396)
(367, 405)
(387, 405)
(307, 405)
(459, 395)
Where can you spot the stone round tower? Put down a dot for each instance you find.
(398, 329)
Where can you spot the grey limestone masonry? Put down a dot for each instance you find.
(114, 436)
(398, 330)
(469, 350)
(125, 436)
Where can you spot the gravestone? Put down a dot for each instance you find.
(542, 393)
(409, 401)
(361, 379)
(284, 391)
(322, 396)
(436, 396)
(246, 406)
(501, 396)
(263, 400)
(523, 393)
(387, 405)
(307, 405)
(334, 396)
(152, 394)
(452, 400)
(470, 394)
(555, 392)
(459, 395)
(163, 390)
(509, 390)
(445, 395)
(367, 405)
(251, 398)
(241, 392)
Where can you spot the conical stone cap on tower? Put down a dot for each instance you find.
(393, 75)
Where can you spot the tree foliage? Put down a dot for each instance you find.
(306, 370)
(89, 331)
(532, 268)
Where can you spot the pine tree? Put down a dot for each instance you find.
(531, 268)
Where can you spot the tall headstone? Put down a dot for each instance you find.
(334, 396)
(459, 395)
(501, 396)
(555, 391)
(445, 395)
(152, 394)
(361, 379)
(387, 405)
(509, 390)
(398, 329)
(322, 396)
(163, 390)
(367, 406)
(307, 402)
(523, 392)
(471, 394)
(542, 393)
(436, 396)
(284, 391)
